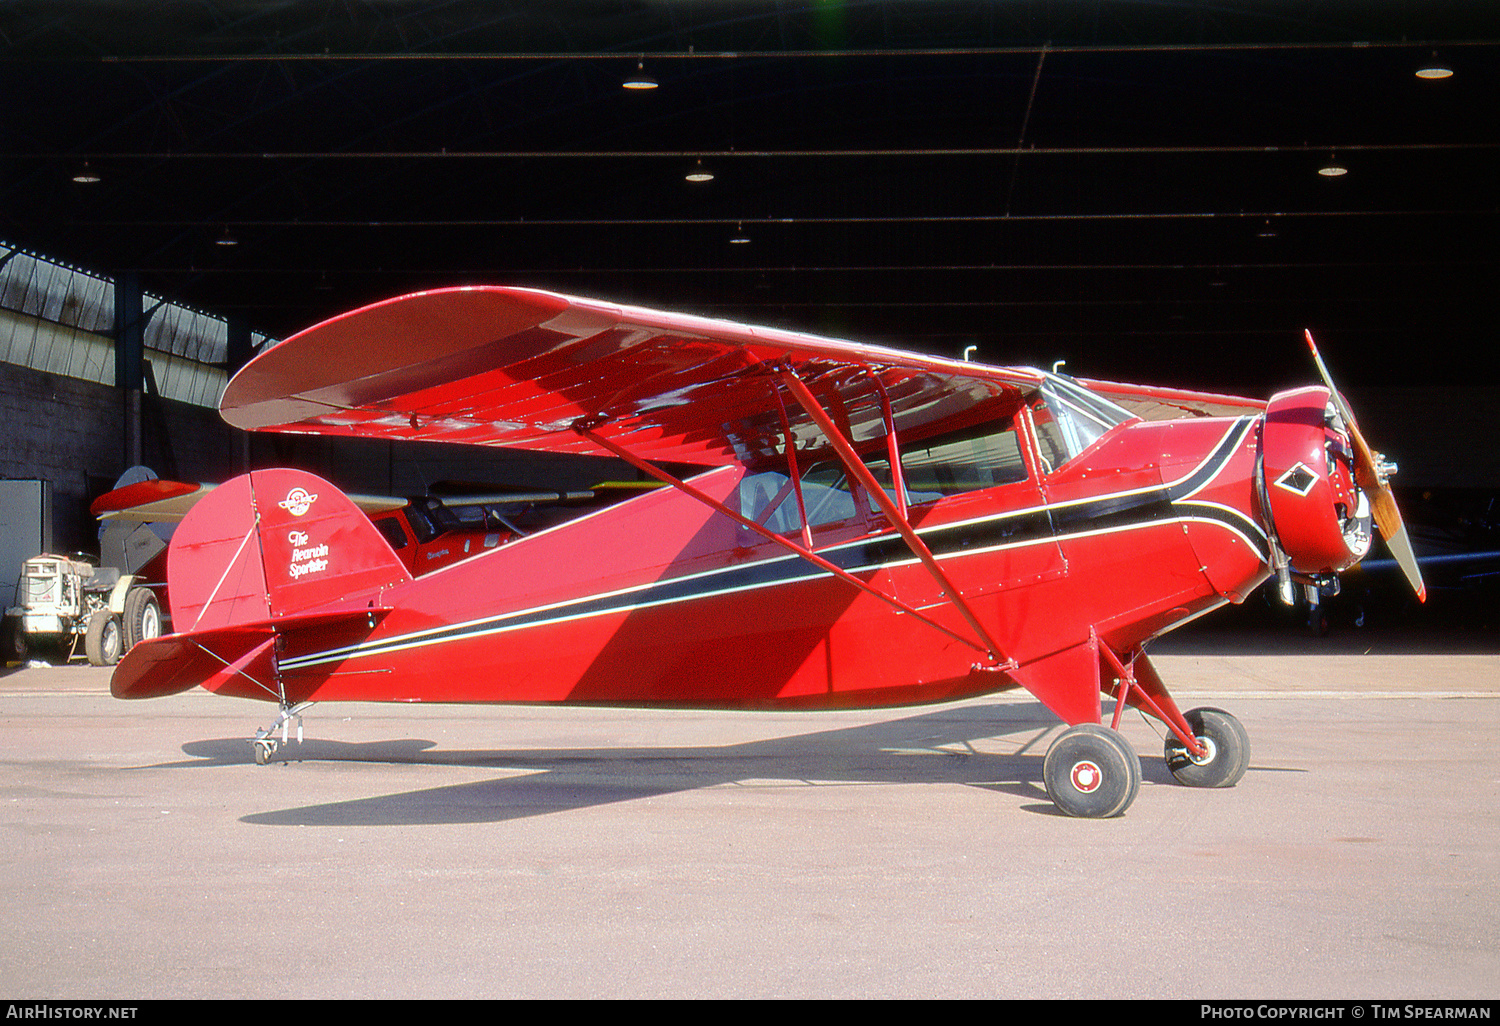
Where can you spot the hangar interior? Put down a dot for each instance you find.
(1156, 192)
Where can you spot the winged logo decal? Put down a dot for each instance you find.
(298, 501)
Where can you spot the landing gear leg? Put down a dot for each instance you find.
(1219, 752)
(265, 742)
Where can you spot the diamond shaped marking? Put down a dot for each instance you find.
(1299, 480)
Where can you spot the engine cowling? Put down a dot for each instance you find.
(1319, 516)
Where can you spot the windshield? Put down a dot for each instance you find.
(1069, 418)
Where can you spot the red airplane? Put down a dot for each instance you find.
(866, 528)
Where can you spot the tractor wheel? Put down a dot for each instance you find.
(1091, 771)
(142, 617)
(102, 643)
(1228, 754)
(13, 645)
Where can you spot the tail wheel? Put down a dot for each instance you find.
(102, 642)
(1091, 771)
(1227, 756)
(142, 617)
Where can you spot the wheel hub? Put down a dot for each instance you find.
(1086, 776)
(1210, 752)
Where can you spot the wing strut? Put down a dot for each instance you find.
(894, 510)
(761, 529)
(896, 514)
(794, 473)
(892, 446)
(1139, 691)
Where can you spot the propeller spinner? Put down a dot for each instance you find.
(1372, 473)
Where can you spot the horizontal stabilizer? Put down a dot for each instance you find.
(238, 661)
(153, 502)
(175, 663)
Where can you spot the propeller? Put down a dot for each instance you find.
(1372, 473)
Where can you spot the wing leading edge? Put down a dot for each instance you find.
(521, 368)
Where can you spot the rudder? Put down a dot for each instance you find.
(273, 543)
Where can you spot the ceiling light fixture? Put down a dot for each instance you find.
(226, 239)
(699, 173)
(1434, 69)
(638, 79)
(739, 238)
(86, 175)
(1333, 169)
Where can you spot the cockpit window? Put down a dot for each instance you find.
(963, 462)
(421, 524)
(1069, 418)
(932, 468)
(768, 498)
(392, 532)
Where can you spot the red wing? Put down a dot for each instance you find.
(519, 368)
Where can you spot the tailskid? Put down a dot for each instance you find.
(265, 742)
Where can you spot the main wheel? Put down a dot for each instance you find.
(1091, 771)
(102, 642)
(142, 617)
(1228, 754)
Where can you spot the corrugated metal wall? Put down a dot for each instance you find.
(60, 319)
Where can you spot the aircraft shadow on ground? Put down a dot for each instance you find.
(932, 747)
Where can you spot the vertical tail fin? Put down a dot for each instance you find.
(273, 543)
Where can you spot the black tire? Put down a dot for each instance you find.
(13, 641)
(142, 617)
(103, 644)
(1092, 772)
(1228, 750)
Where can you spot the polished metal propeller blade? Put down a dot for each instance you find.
(1371, 473)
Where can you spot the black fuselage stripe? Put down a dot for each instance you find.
(1038, 525)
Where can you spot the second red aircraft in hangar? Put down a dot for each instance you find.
(860, 527)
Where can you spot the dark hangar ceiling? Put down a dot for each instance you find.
(1133, 187)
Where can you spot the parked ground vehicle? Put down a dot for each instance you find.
(62, 599)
